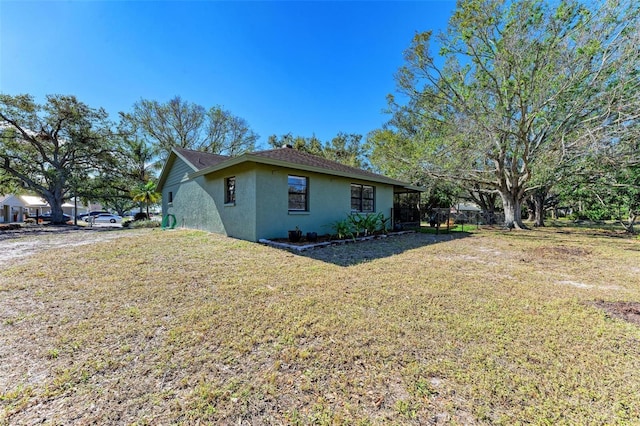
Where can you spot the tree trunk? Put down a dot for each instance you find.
(55, 201)
(512, 211)
(490, 214)
(629, 225)
(538, 203)
(531, 208)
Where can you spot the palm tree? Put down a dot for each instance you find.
(146, 194)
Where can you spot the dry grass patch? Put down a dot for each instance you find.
(185, 326)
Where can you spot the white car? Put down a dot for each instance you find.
(106, 218)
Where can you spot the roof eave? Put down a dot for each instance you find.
(413, 188)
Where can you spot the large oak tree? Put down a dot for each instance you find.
(52, 148)
(519, 87)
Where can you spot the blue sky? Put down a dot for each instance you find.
(302, 67)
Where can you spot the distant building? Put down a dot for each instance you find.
(18, 208)
(12, 209)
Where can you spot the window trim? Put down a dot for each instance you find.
(290, 193)
(361, 198)
(230, 196)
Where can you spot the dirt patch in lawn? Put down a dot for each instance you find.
(561, 251)
(628, 311)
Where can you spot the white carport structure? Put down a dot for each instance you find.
(36, 206)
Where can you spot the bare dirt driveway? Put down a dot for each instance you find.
(19, 244)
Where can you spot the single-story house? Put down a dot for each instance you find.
(267, 193)
(36, 206)
(12, 209)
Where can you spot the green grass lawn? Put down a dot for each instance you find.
(167, 327)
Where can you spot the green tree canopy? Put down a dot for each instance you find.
(53, 148)
(147, 194)
(518, 84)
(135, 162)
(345, 148)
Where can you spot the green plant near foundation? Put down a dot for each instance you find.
(343, 229)
(368, 224)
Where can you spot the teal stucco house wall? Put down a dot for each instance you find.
(267, 193)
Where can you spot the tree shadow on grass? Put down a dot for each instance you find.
(354, 253)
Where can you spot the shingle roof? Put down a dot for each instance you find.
(205, 163)
(302, 158)
(201, 160)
